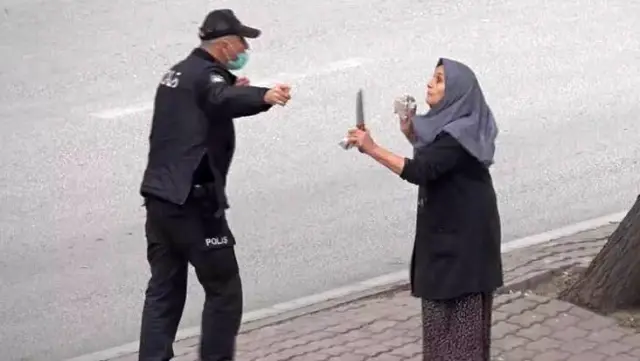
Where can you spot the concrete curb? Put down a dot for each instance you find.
(387, 283)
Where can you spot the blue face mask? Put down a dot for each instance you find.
(239, 63)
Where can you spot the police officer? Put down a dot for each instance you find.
(192, 143)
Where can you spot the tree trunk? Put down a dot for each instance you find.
(612, 280)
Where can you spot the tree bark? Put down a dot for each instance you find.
(612, 280)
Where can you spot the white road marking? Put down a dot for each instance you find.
(123, 112)
(334, 67)
(337, 293)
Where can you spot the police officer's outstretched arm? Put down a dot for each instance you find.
(239, 101)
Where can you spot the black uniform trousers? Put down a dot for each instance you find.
(178, 235)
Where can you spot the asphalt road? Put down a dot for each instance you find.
(77, 78)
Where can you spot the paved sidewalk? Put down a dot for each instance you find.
(387, 327)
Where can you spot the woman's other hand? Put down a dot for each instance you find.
(406, 126)
(361, 139)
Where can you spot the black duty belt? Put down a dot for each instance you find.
(205, 190)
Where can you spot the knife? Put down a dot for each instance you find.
(359, 119)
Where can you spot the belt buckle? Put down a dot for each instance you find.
(198, 190)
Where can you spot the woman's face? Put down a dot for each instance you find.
(435, 87)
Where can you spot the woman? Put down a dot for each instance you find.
(456, 263)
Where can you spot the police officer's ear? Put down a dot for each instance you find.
(227, 48)
(225, 45)
(221, 49)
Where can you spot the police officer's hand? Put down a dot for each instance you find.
(242, 81)
(279, 94)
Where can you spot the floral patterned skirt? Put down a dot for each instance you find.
(458, 329)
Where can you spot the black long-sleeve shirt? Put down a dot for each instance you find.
(195, 104)
(441, 157)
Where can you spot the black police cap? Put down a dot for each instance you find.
(224, 22)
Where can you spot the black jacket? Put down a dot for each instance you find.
(192, 127)
(457, 242)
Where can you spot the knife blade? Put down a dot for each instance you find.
(359, 111)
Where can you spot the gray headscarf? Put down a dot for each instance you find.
(463, 113)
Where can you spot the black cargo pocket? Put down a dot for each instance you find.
(214, 259)
(217, 233)
(215, 229)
